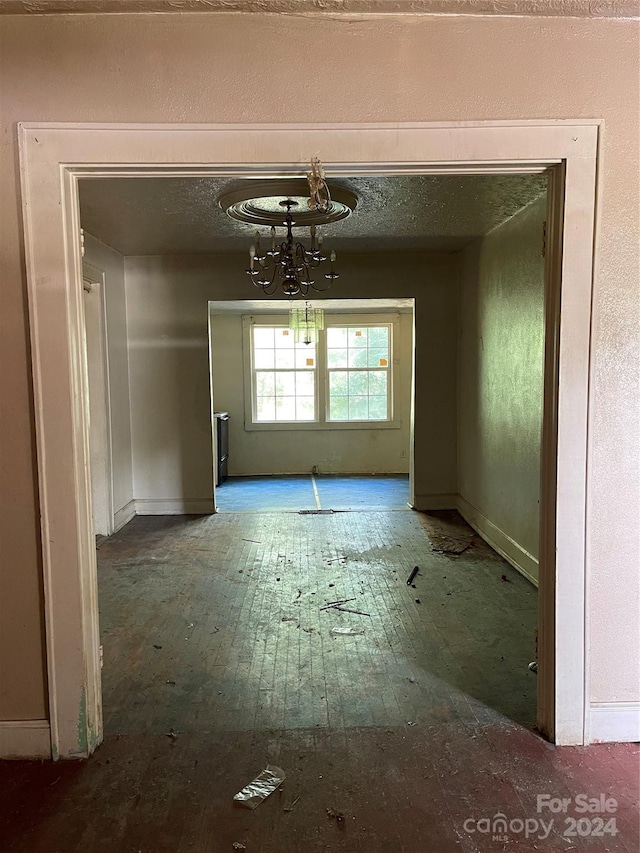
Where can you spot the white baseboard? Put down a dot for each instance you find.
(424, 503)
(500, 541)
(614, 721)
(124, 515)
(174, 506)
(25, 739)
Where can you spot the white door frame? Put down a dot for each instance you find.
(53, 157)
(97, 279)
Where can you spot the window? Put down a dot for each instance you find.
(345, 381)
(358, 368)
(284, 375)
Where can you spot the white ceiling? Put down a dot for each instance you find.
(159, 216)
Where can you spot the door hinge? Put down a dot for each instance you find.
(82, 242)
(544, 239)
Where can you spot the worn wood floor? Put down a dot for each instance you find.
(219, 659)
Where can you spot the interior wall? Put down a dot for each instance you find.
(167, 308)
(290, 451)
(111, 263)
(507, 68)
(500, 383)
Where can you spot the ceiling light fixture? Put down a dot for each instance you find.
(289, 263)
(294, 203)
(306, 322)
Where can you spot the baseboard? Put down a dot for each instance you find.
(424, 503)
(124, 515)
(25, 739)
(174, 506)
(614, 721)
(500, 541)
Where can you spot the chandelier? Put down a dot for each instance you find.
(290, 263)
(306, 322)
(286, 264)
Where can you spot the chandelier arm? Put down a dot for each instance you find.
(319, 289)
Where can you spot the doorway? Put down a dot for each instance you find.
(71, 618)
(330, 458)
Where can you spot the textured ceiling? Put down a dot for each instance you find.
(159, 216)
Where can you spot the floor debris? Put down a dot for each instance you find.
(340, 602)
(448, 544)
(172, 734)
(505, 578)
(337, 816)
(412, 576)
(346, 632)
(238, 845)
(291, 805)
(260, 788)
(348, 610)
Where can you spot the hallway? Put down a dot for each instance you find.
(221, 655)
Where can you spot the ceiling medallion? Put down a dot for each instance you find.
(292, 204)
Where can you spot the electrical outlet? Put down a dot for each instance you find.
(403, 454)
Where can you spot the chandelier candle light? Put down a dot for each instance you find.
(290, 262)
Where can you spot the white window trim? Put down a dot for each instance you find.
(322, 389)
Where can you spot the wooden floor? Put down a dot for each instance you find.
(221, 655)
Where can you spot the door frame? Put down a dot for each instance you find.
(96, 278)
(53, 157)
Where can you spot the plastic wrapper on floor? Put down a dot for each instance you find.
(262, 786)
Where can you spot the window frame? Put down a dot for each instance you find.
(321, 370)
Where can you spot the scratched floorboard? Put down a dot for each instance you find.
(213, 632)
(216, 623)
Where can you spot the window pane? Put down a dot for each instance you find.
(378, 408)
(263, 358)
(379, 337)
(336, 337)
(305, 358)
(263, 336)
(305, 384)
(339, 409)
(285, 408)
(266, 409)
(285, 339)
(358, 383)
(358, 357)
(285, 384)
(265, 384)
(285, 358)
(305, 408)
(338, 383)
(337, 358)
(378, 358)
(358, 408)
(378, 383)
(357, 337)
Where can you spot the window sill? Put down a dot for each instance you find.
(294, 426)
